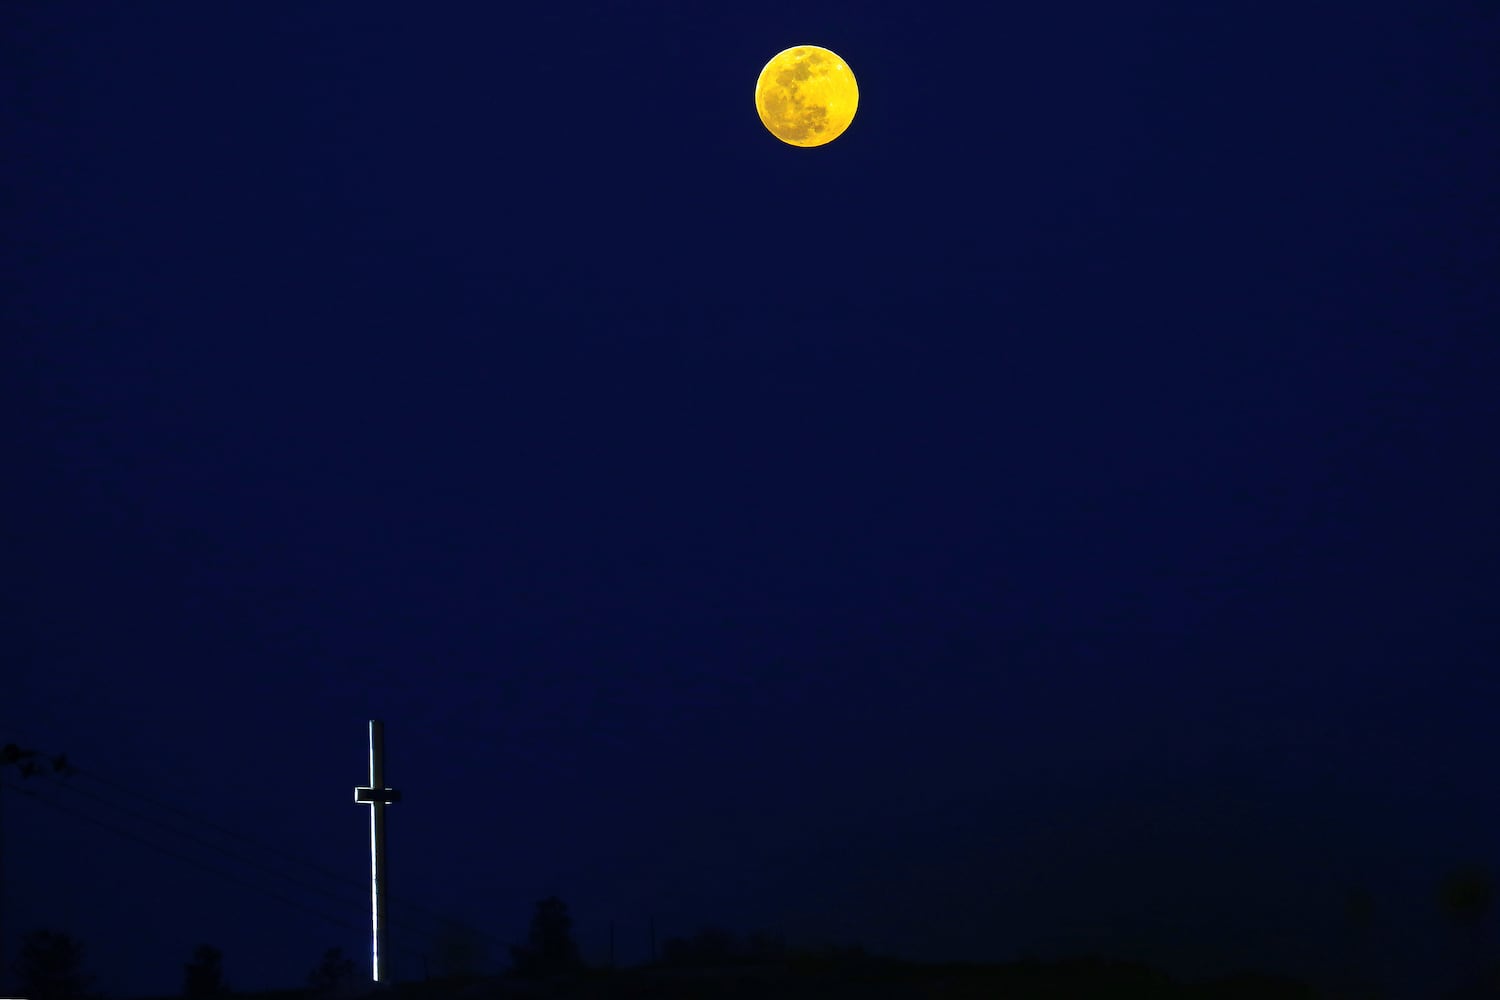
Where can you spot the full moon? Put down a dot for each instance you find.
(806, 96)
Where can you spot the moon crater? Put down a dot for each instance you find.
(806, 96)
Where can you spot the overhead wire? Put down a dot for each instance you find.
(404, 902)
(33, 794)
(401, 905)
(201, 820)
(188, 835)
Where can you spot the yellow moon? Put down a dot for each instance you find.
(806, 96)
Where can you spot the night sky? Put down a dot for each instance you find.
(1058, 516)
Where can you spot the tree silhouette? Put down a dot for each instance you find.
(1361, 914)
(1467, 895)
(550, 948)
(766, 946)
(32, 762)
(334, 975)
(203, 977)
(51, 967)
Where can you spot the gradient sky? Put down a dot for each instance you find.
(1059, 515)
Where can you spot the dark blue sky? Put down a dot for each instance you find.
(1057, 515)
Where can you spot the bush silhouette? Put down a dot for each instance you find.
(203, 977)
(51, 967)
(550, 948)
(334, 975)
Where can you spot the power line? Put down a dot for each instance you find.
(199, 819)
(195, 862)
(204, 842)
(403, 904)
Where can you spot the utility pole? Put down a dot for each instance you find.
(4, 955)
(377, 797)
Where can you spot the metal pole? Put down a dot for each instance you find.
(377, 797)
(4, 955)
(377, 849)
